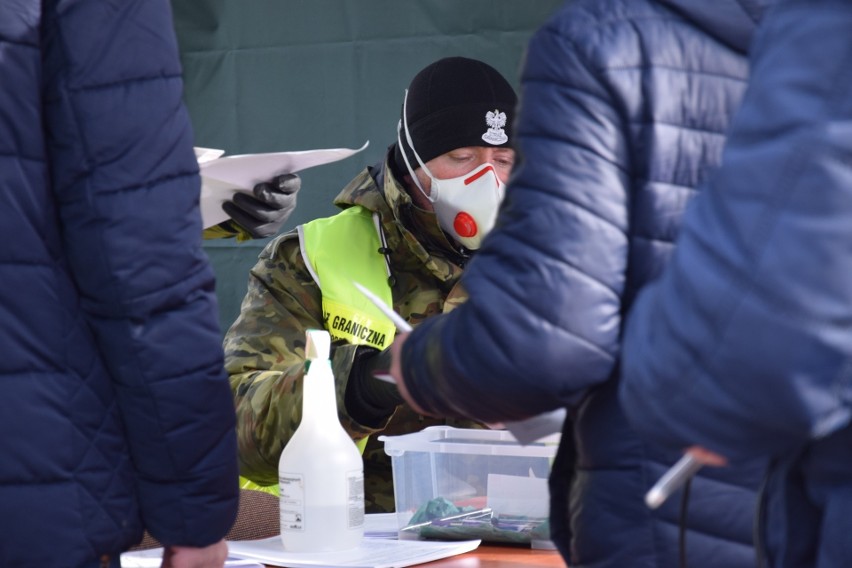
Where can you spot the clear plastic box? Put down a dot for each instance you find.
(453, 483)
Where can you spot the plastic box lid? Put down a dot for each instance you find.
(449, 440)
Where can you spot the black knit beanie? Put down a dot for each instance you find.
(454, 103)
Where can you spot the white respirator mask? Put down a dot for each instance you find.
(466, 206)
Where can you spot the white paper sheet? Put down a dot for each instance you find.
(376, 525)
(536, 428)
(518, 496)
(207, 154)
(381, 525)
(221, 177)
(153, 558)
(372, 553)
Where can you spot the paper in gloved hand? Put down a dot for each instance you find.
(221, 177)
(262, 213)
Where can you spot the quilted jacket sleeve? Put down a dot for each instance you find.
(743, 346)
(126, 181)
(543, 320)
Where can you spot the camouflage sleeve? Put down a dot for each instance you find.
(225, 230)
(265, 357)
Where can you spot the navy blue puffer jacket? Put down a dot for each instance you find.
(625, 107)
(748, 333)
(116, 412)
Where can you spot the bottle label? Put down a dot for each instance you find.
(292, 492)
(292, 497)
(355, 481)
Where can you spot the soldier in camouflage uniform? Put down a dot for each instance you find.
(445, 118)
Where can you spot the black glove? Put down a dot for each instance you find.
(262, 213)
(369, 400)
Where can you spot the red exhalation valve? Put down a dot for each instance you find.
(464, 225)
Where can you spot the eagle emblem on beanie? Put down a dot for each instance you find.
(444, 106)
(495, 134)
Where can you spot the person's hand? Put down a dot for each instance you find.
(707, 457)
(396, 372)
(369, 400)
(262, 213)
(212, 556)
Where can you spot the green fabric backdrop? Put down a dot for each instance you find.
(281, 75)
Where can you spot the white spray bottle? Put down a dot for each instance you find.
(321, 474)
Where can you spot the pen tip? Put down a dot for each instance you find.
(654, 498)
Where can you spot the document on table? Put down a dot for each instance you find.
(371, 553)
(153, 558)
(221, 177)
(375, 552)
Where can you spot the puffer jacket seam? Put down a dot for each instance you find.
(580, 206)
(16, 43)
(653, 239)
(119, 84)
(576, 145)
(684, 70)
(107, 193)
(21, 158)
(594, 23)
(646, 180)
(678, 125)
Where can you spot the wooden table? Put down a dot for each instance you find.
(494, 556)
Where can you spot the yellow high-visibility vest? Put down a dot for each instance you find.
(340, 250)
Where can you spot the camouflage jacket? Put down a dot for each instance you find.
(264, 348)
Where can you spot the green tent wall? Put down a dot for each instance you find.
(282, 75)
